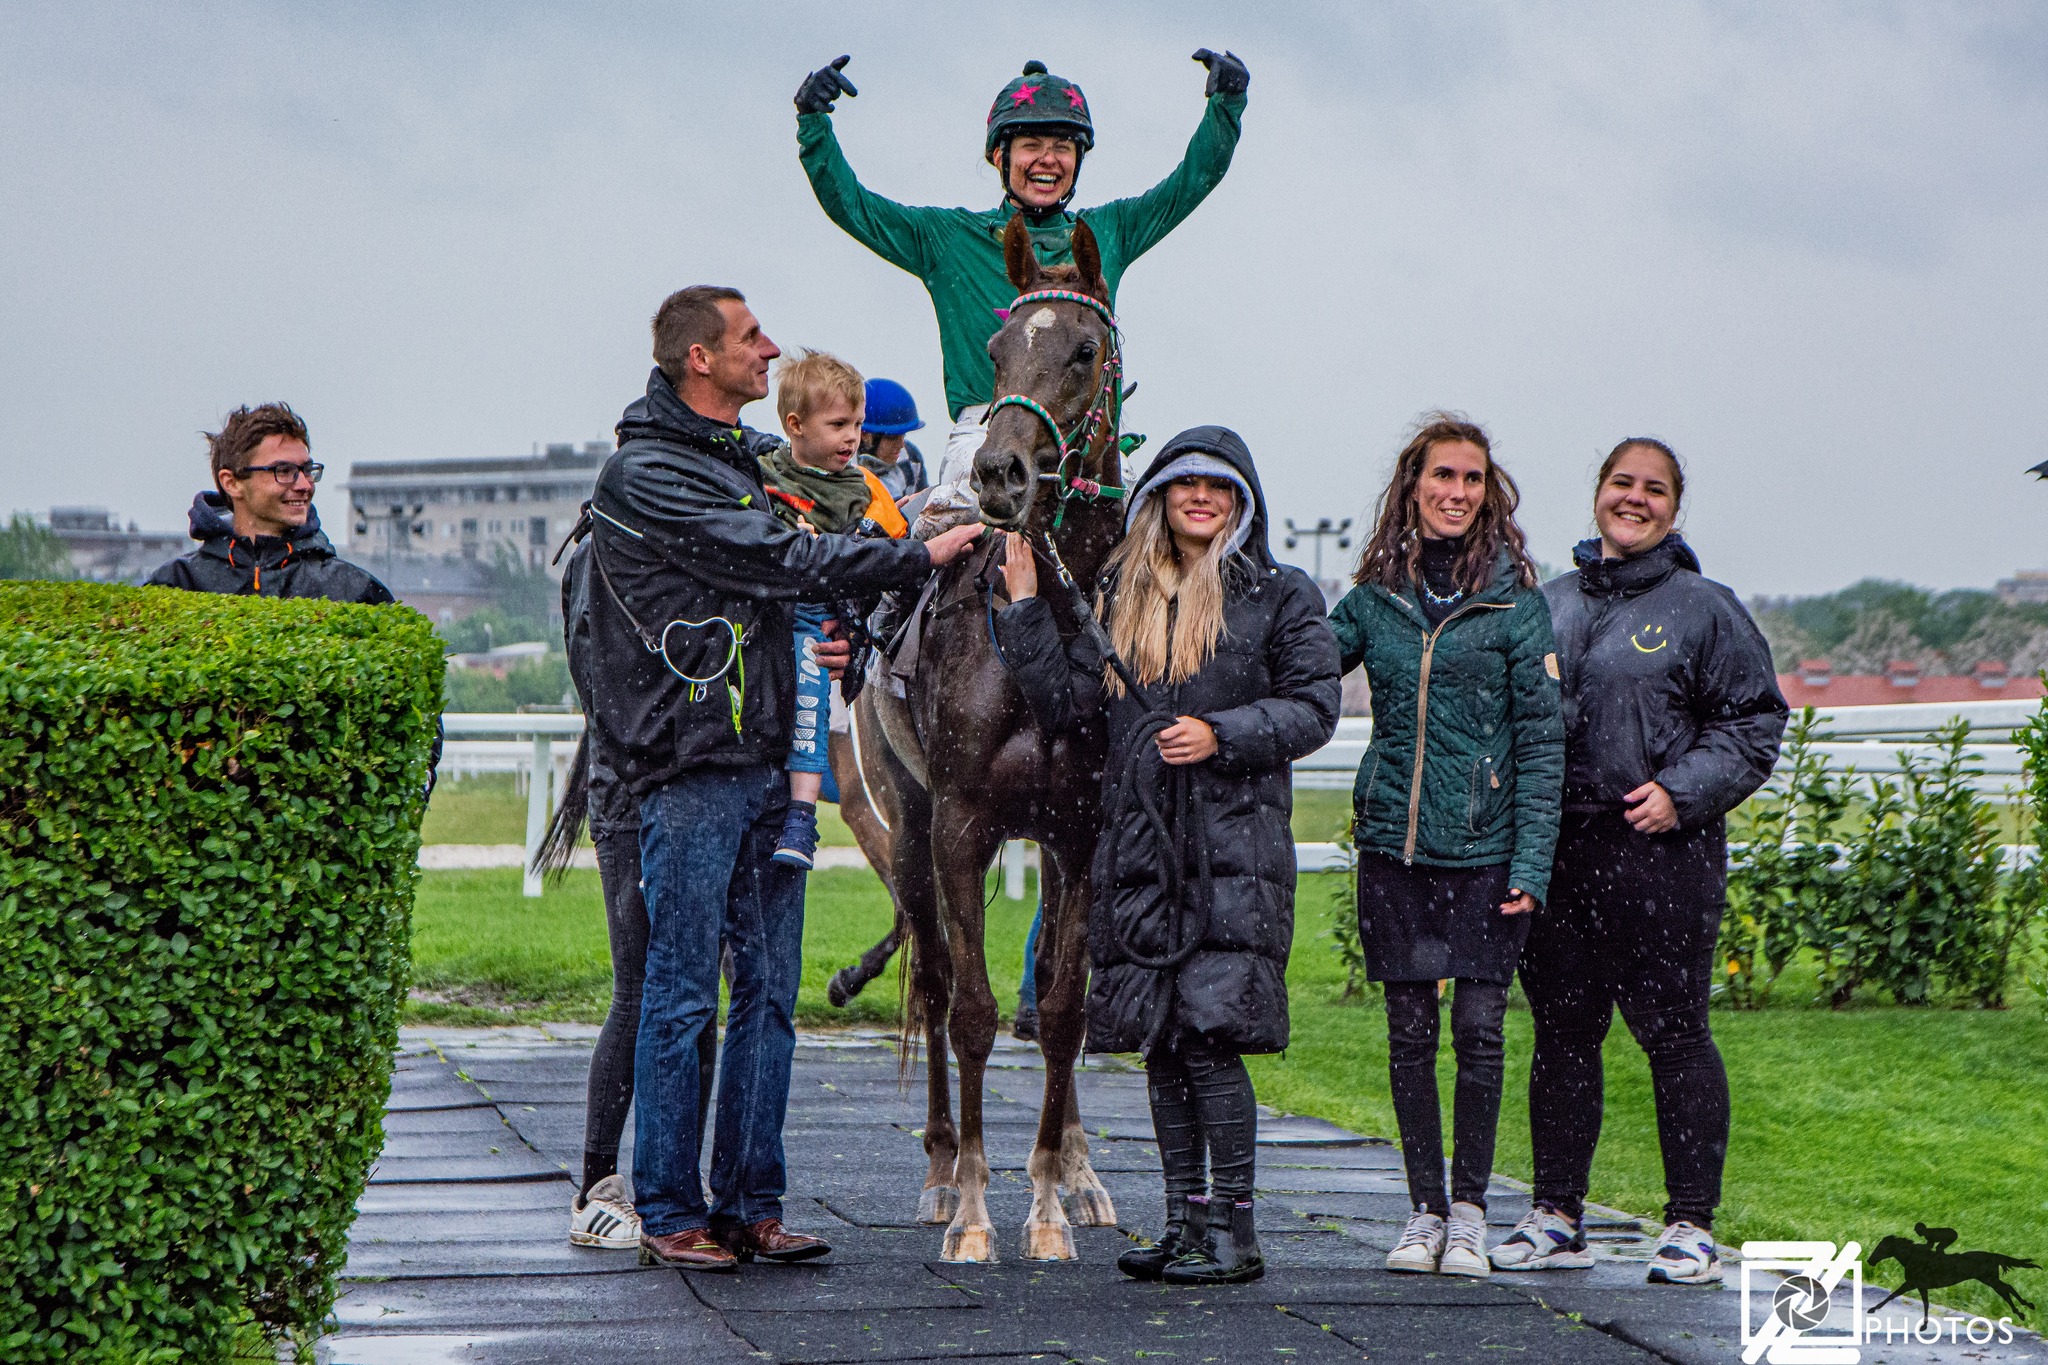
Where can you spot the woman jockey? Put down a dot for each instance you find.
(1039, 129)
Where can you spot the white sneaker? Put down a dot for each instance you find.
(1420, 1247)
(1685, 1255)
(1544, 1240)
(604, 1219)
(1465, 1243)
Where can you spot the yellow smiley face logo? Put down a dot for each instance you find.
(1649, 639)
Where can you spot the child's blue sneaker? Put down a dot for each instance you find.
(798, 846)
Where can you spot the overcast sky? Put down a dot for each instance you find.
(1807, 244)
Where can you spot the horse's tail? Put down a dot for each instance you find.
(559, 844)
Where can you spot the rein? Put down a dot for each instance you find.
(1105, 411)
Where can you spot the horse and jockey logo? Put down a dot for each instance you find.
(1815, 1315)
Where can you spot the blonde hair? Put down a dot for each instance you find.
(1163, 598)
(806, 379)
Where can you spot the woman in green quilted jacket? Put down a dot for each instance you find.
(1456, 806)
(1039, 130)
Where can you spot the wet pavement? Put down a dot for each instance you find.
(460, 1251)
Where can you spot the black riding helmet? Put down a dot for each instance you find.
(1042, 103)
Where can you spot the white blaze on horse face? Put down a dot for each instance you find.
(1044, 317)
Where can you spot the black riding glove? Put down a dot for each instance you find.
(1227, 75)
(824, 85)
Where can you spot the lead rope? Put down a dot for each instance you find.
(1171, 815)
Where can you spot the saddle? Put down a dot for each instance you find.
(896, 657)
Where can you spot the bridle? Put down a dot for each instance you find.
(1104, 414)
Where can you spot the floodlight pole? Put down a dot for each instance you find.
(1324, 529)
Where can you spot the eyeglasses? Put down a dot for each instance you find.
(285, 472)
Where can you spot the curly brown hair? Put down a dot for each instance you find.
(245, 429)
(1392, 558)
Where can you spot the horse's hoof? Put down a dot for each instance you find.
(839, 989)
(1090, 1208)
(975, 1244)
(1048, 1242)
(938, 1204)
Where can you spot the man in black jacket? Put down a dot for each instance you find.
(257, 530)
(690, 617)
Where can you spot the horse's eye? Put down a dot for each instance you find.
(1084, 353)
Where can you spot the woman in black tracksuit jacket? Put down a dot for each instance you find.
(1194, 899)
(1672, 718)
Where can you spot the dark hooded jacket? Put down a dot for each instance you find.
(1271, 693)
(1666, 679)
(301, 563)
(685, 554)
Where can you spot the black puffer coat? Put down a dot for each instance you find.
(1271, 693)
(301, 564)
(1666, 678)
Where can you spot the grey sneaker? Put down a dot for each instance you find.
(1544, 1240)
(1420, 1247)
(1465, 1243)
(1684, 1255)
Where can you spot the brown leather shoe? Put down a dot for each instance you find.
(690, 1249)
(770, 1241)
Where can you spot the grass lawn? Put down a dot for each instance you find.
(1847, 1125)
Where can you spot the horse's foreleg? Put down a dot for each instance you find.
(960, 859)
(850, 981)
(1062, 1142)
(931, 980)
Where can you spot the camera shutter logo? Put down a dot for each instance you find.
(1790, 1328)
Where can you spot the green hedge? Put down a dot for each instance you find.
(209, 820)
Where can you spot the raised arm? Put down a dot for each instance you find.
(1137, 224)
(893, 231)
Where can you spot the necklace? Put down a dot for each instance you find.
(1452, 600)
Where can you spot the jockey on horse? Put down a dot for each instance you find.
(1039, 129)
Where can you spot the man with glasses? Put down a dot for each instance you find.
(256, 528)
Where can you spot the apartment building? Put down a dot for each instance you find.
(472, 509)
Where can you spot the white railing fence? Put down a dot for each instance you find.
(1868, 738)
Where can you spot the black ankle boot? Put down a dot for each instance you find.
(1232, 1257)
(1187, 1227)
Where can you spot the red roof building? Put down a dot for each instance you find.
(1817, 684)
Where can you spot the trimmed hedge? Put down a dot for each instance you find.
(209, 821)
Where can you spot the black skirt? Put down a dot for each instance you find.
(1432, 923)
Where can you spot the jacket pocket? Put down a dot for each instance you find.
(1361, 795)
(1491, 790)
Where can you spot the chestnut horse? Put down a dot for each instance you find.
(958, 765)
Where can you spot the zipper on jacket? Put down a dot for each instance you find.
(1422, 721)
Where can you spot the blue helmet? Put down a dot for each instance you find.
(891, 409)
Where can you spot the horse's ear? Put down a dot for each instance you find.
(1018, 256)
(1088, 256)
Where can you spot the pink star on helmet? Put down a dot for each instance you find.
(1026, 94)
(1074, 98)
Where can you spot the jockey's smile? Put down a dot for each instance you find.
(1042, 169)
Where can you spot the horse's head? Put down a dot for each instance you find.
(1888, 1249)
(1056, 406)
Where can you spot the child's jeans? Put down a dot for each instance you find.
(809, 750)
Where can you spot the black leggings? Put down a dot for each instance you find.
(1202, 1105)
(1477, 1009)
(610, 1093)
(1632, 922)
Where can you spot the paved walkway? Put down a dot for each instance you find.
(460, 1251)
